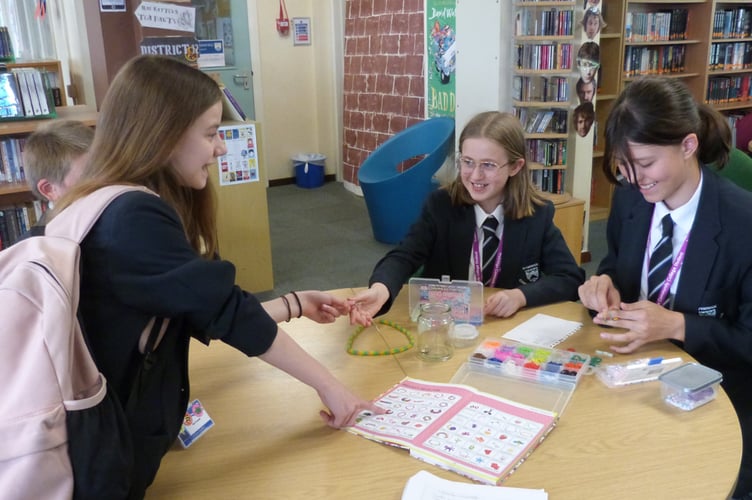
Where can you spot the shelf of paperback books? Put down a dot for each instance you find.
(30, 89)
(730, 58)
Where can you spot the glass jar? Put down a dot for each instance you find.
(435, 325)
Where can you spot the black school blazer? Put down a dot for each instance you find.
(715, 285)
(535, 256)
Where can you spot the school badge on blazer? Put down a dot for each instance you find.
(532, 273)
(711, 311)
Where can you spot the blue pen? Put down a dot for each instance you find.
(655, 361)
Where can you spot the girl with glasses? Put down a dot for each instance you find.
(524, 253)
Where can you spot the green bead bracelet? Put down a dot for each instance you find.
(396, 350)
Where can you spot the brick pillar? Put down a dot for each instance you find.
(384, 84)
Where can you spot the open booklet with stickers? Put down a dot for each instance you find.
(476, 434)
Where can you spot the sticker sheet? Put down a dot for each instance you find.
(458, 428)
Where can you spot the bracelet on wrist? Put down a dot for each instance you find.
(287, 304)
(300, 306)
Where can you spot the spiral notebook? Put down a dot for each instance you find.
(543, 330)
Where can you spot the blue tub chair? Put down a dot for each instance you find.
(393, 197)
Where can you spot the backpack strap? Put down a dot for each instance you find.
(77, 219)
(150, 338)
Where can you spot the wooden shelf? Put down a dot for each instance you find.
(543, 72)
(541, 104)
(545, 38)
(13, 188)
(651, 43)
(21, 127)
(550, 3)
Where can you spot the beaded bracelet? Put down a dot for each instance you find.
(300, 306)
(402, 330)
(287, 304)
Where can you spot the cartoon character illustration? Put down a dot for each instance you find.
(444, 50)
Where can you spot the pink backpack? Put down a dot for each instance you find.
(63, 434)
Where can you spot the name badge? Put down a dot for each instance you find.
(195, 423)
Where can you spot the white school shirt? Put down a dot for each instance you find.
(683, 218)
(480, 218)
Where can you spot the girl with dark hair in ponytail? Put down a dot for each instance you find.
(679, 265)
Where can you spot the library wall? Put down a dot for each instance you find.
(383, 75)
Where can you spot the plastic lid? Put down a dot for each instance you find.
(691, 377)
(308, 157)
(465, 331)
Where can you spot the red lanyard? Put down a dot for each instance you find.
(477, 261)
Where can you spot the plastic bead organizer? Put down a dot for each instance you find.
(541, 377)
(531, 362)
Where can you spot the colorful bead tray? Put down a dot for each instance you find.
(530, 362)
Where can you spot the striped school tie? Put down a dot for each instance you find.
(660, 260)
(490, 247)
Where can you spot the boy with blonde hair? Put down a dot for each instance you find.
(54, 157)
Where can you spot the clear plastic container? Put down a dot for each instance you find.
(635, 371)
(464, 335)
(690, 385)
(537, 376)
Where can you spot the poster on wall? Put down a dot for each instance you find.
(240, 163)
(441, 52)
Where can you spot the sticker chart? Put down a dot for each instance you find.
(478, 435)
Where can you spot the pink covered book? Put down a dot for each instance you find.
(479, 435)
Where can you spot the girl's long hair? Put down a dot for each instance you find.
(150, 104)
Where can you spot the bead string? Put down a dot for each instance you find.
(396, 350)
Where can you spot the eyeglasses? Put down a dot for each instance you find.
(487, 167)
(587, 64)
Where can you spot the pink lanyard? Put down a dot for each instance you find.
(477, 261)
(672, 272)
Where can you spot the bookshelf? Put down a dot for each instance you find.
(541, 87)
(51, 66)
(730, 58)
(542, 99)
(631, 48)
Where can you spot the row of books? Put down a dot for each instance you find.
(554, 22)
(732, 23)
(729, 89)
(549, 180)
(11, 160)
(25, 93)
(16, 220)
(731, 56)
(544, 56)
(6, 47)
(539, 121)
(660, 26)
(540, 88)
(654, 60)
(732, 118)
(547, 152)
